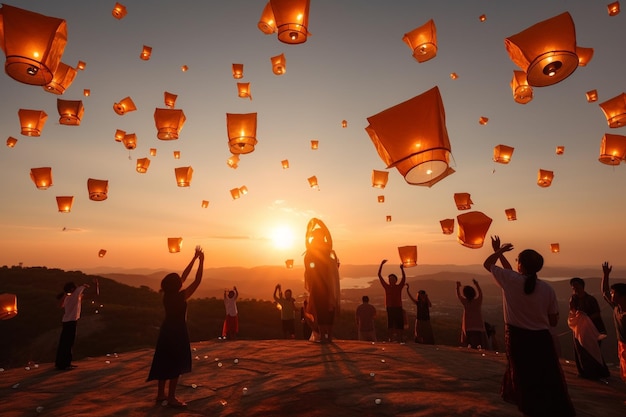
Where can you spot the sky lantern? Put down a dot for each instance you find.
(169, 99)
(174, 244)
(412, 137)
(142, 165)
(169, 123)
(482, 17)
(32, 121)
(98, 189)
(235, 193)
(243, 90)
(62, 79)
(33, 44)
(183, 176)
(153, 151)
(119, 11)
(463, 201)
(237, 71)
(292, 20)
(315, 144)
(233, 161)
(380, 198)
(243, 190)
(42, 177)
(408, 255)
(119, 135)
(544, 178)
(344, 123)
(267, 24)
(279, 64)
(584, 55)
(11, 142)
(205, 203)
(388, 218)
(547, 51)
(422, 41)
(184, 68)
(502, 154)
(447, 226)
(615, 110)
(313, 182)
(284, 163)
(64, 203)
(522, 92)
(483, 120)
(511, 214)
(81, 65)
(612, 149)
(241, 130)
(555, 248)
(176, 154)
(130, 141)
(289, 263)
(453, 75)
(592, 95)
(70, 111)
(101, 253)
(124, 106)
(86, 92)
(473, 227)
(379, 178)
(8, 306)
(145, 53)
(560, 150)
(613, 8)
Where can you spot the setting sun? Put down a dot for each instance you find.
(282, 237)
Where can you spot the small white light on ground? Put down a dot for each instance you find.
(378, 401)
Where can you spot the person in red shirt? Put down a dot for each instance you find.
(393, 302)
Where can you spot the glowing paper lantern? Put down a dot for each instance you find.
(169, 99)
(241, 130)
(560, 150)
(483, 120)
(502, 154)
(130, 141)
(234, 193)
(544, 178)
(205, 203)
(119, 135)
(613, 8)
(388, 219)
(169, 123)
(313, 182)
(142, 165)
(98, 189)
(453, 75)
(243, 90)
(612, 149)
(183, 176)
(379, 178)
(174, 244)
(119, 11)
(64, 203)
(101, 253)
(422, 41)
(381, 198)
(292, 20)
(81, 65)
(279, 64)
(412, 137)
(344, 123)
(584, 56)
(8, 306)
(70, 112)
(284, 163)
(86, 92)
(32, 121)
(447, 226)
(233, 161)
(62, 79)
(267, 24)
(463, 201)
(243, 190)
(615, 110)
(145, 53)
(555, 248)
(184, 68)
(176, 154)
(482, 17)
(237, 71)
(289, 263)
(408, 255)
(547, 51)
(11, 142)
(522, 92)
(42, 177)
(511, 214)
(153, 151)
(33, 44)
(592, 96)
(315, 144)
(473, 227)
(124, 106)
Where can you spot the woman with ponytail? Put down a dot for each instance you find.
(533, 379)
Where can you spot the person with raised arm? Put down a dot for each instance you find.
(615, 295)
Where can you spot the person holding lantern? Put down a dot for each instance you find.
(287, 311)
(615, 295)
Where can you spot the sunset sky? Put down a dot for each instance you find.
(353, 66)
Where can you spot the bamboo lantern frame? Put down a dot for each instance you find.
(169, 99)
(473, 228)
(522, 91)
(612, 149)
(183, 176)
(237, 71)
(65, 203)
(279, 64)
(11, 142)
(62, 79)
(70, 112)
(292, 20)
(142, 165)
(124, 106)
(267, 24)
(98, 189)
(146, 52)
(422, 41)
(8, 306)
(408, 255)
(32, 121)
(130, 141)
(241, 130)
(615, 111)
(174, 244)
(42, 177)
(447, 226)
(463, 201)
(511, 214)
(379, 178)
(544, 178)
(169, 123)
(502, 154)
(119, 11)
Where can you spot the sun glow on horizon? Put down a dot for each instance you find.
(282, 237)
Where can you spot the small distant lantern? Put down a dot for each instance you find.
(422, 41)
(315, 144)
(169, 123)
(11, 142)
(279, 64)
(184, 68)
(522, 92)
(502, 154)
(176, 154)
(388, 219)
(243, 90)
(289, 263)
(86, 92)
(237, 71)
(32, 121)
(243, 190)
(292, 20)
(233, 161)
(473, 227)
(463, 201)
(615, 111)
(612, 149)
(267, 24)
(62, 79)
(241, 130)
(380, 198)
(284, 163)
(81, 65)
(101, 253)
(98, 189)
(124, 106)
(235, 193)
(379, 178)
(8, 306)
(169, 99)
(153, 151)
(547, 51)
(447, 226)
(483, 120)
(592, 96)
(344, 123)
(584, 56)
(482, 17)
(205, 203)
(613, 8)
(130, 141)
(174, 244)
(313, 182)
(119, 135)
(555, 248)
(183, 176)
(511, 214)
(454, 75)
(560, 150)
(145, 53)
(42, 177)
(142, 165)
(408, 255)
(64, 203)
(119, 11)
(544, 178)
(33, 44)
(70, 112)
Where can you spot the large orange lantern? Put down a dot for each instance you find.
(612, 149)
(463, 201)
(183, 176)
(422, 41)
(237, 71)
(169, 99)
(33, 44)
(502, 154)
(547, 51)
(379, 178)
(592, 95)
(613, 8)
(267, 24)
(142, 165)
(615, 110)
(124, 106)
(64, 203)
(146, 52)
(243, 90)
(11, 142)
(169, 123)
(62, 79)
(70, 111)
(555, 248)
(511, 214)
(279, 64)
(119, 11)
(292, 20)
(289, 263)
(241, 130)
(42, 177)
(544, 178)
(473, 228)
(447, 226)
(522, 92)
(32, 121)
(8, 306)
(98, 189)
(174, 244)
(130, 141)
(412, 137)
(408, 255)
(233, 161)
